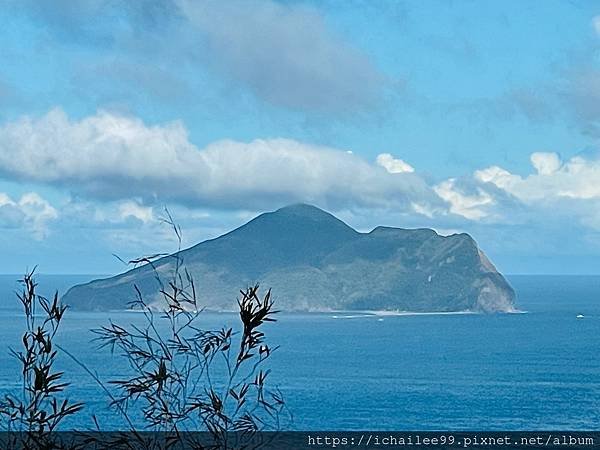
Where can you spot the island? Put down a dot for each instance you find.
(313, 261)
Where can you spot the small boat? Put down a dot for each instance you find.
(580, 316)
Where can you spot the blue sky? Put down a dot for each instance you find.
(470, 116)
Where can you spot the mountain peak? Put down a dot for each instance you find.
(303, 218)
(302, 215)
(302, 209)
(298, 234)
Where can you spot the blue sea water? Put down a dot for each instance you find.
(539, 370)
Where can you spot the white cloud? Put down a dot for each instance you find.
(468, 206)
(132, 167)
(424, 210)
(393, 165)
(30, 211)
(113, 157)
(545, 163)
(109, 214)
(498, 176)
(557, 195)
(134, 209)
(576, 178)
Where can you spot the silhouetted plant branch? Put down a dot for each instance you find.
(187, 378)
(38, 409)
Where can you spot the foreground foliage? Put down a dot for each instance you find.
(38, 408)
(182, 377)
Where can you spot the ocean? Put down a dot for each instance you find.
(531, 371)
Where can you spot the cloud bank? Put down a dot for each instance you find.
(30, 211)
(110, 157)
(122, 161)
(558, 193)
